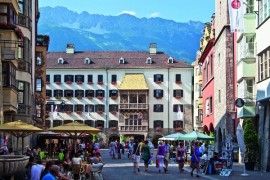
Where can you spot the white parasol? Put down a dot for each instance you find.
(241, 144)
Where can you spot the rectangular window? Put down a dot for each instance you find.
(58, 93)
(89, 93)
(113, 107)
(114, 79)
(100, 108)
(79, 78)
(100, 78)
(48, 92)
(99, 93)
(178, 93)
(178, 124)
(39, 58)
(250, 83)
(21, 6)
(89, 108)
(9, 75)
(210, 105)
(158, 124)
(158, 93)
(68, 107)
(178, 78)
(113, 93)
(69, 78)
(57, 78)
(47, 79)
(21, 88)
(79, 93)
(68, 93)
(158, 107)
(79, 107)
(90, 79)
(158, 78)
(38, 85)
(178, 107)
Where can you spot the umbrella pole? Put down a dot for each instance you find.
(22, 144)
(17, 143)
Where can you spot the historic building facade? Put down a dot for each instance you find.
(17, 46)
(206, 62)
(224, 89)
(263, 81)
(131, 94)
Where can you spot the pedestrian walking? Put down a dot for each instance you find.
(112, 150)
(181, 156)
(195, 158)
(160, 156)
(167, 154)
(146, 154)
(136, 155)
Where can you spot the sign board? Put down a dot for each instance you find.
(239, 102)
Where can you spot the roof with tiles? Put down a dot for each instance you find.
(110, 59)
(134, 82)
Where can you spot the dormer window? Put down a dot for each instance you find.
(170, 60)
(60, 61)
(121, 60)
(148, 60)
(87, 61)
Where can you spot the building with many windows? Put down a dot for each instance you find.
(17, 48)
(132, 94)
(263, 81)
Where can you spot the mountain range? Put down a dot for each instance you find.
(94, 32)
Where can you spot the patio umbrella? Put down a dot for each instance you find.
(75, 130)
(19, 129)
(172, 137)
(194, 135)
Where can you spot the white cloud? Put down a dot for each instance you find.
(128, 12)
(154, 14)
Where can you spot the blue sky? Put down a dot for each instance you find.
(177, 10)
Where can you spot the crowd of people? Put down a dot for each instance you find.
(68, 164)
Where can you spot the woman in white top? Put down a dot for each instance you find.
(76, 166)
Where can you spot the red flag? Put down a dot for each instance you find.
(236, 12)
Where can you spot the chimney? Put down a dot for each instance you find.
(153, 48)
(70, 49)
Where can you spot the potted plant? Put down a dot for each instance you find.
(251, 143)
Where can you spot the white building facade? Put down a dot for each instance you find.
(132, 94)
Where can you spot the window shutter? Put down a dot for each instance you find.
(155, 92)
(110, 93)
(182, 93)
(161, 77)
(174, 93)
(155, 107)
(155, 78)
(161, 108)
(54, 78)
(90, 78)
(66, 78)
(161, 93)
(114, 78)
(82, 78)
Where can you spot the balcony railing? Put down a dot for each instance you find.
(24, 109)
(24, 66)
(24, 21)
(43, 40)
(133, 106)
(133, 128)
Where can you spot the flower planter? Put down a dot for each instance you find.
(48, 97)
(57, 82)
(90, 83)
(57, 97)
(178, 129)
(178, 82)
(113, 97)
(79, 82)
(158, 82)
(100, 97)
(89, 97)
(159, 129)
(113, 129)
(69, 82)
(99, 112)
(178, 97)
(79, 97)
(68, 112)
(47, 82)
(100, 83)
(12, 164)
(79, 112)
(113, 112)
(113, 82)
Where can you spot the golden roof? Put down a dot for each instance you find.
(133, 82)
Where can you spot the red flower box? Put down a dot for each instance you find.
(178, 82)
(79, 82)
(113, 97)
(69, 82)
(158, 97)
(68, 112)
(113, 128)
(99, 112)
(100, 83)
(113, 112)
(158, 82)
(114, 82)
(90, 82)
(57, 82)
(178, 97)
(178, 129)
(79, 112)
(100, 97)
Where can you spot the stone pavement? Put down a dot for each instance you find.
(122, 169)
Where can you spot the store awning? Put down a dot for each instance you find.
(246, 111)
(133, 82)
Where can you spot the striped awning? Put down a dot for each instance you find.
(133, 82)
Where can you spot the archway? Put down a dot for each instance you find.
(205, 129)
(211, 127)
(155, 140)
(113, 137)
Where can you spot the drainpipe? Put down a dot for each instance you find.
(107, 100)
(169, 97)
